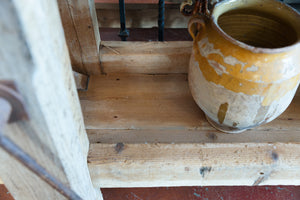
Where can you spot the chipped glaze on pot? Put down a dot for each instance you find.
(239, 85)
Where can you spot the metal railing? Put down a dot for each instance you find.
(124, 33)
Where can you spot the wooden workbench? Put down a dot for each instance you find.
(141, 126)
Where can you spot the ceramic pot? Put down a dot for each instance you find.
(245, 66)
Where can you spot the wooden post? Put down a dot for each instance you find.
(34, 55)
(82, 34)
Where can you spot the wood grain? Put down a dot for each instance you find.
(36, 58)
(81, 29)
(137, 108)
(149, 165)
(211, 135)
(139, 101)
(146, 131)
(145, 57)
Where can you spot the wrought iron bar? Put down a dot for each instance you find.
(161, 19)
(15, 151)
(124, 33)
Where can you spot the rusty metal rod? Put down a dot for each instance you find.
(12, 149)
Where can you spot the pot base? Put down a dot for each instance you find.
(223, 128)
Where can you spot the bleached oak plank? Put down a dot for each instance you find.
(34, 55)
(153, 165)
(81, 29)
(145, 57)
(146, 131)
(147, 108)
(109, 136)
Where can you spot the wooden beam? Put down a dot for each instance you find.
(34, 55)
(145, 57)
(82, 34)
(155, 165)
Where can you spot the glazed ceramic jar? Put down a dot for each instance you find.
(245, 65)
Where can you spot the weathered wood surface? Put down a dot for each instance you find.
(34, 55)
(146, 131)
(134, 103)
(82, 34)
(145, 165)
(259, 135)
(145, 57)
(81, 81)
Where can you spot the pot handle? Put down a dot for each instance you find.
(195, 25)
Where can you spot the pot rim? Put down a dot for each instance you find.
(251, 48)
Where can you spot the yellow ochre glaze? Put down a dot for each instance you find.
(269, 65)
(267, 81)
